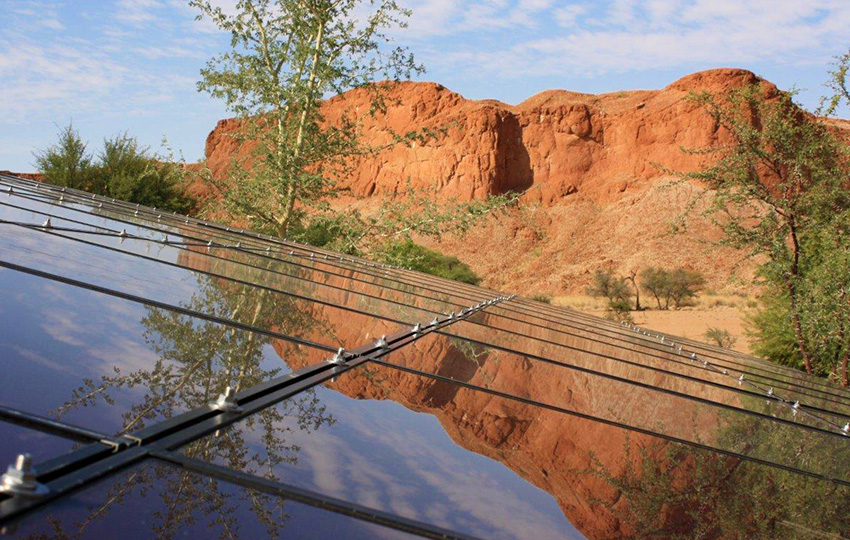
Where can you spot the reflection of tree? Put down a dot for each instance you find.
(196, 360)
(670, 490)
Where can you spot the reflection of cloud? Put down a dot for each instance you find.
(63, 327)
(37, 358)
(381, 455)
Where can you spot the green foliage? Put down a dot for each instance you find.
(66, 163)
(286, 56)
(720, 337)
(422, 259)
(619, 310)
(123, 170)
(544, 298)
(780, 194)
(772, 335)
(679, 286)
(616, 290)
(607, 285)
(838, 86)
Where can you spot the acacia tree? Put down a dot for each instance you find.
(780, 194)
(286, 57)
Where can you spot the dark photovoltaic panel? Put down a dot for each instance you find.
(371, 401)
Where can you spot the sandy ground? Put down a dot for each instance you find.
(724, 312)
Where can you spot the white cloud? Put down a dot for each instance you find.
(628, 35)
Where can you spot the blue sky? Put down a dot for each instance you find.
(132, 65)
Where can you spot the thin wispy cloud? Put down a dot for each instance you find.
(113, 65)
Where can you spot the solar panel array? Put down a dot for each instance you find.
(195, 379)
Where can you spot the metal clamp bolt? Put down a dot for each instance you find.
(20, 479)
(338, 358)
(226, 402)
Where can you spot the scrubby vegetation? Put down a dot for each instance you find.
(679, 286)
(422, 259)
(720, 337)
(122, 170)
(779, 193)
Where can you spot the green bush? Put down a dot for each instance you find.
(123, 170)
(422, 259)
(545, 298)
(720, 337)
(607, 285)
(679, 287)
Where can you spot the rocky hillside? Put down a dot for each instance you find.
(592, 167)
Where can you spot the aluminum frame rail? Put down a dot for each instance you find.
(799, 405)
(80, 468)
(367, 268)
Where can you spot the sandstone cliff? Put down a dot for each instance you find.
(592, 167)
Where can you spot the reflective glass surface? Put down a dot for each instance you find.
(21, 440)
(522, 421)
(112, 365)
(387, 447)
(743, 424)
(155, 500)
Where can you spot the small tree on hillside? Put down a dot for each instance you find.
(632, 278)
(616, 290)
(286, 57)
(780, 193)
(678, 287)
(607, 285)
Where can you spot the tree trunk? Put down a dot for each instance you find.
(291, 195)
(798, 327)
(632, 279)
(792, 294)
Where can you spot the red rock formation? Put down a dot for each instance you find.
(595, 163)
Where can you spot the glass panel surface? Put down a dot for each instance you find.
(675, 371)
(176, 285)
(21, 440)
(354, 439)
(365, 438)
(156, 500)
(187, 248)
(778, 433)
(111, 364)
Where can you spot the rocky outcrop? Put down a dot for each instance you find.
(598, 165)
(558, 143)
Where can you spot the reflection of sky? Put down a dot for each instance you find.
(53, 336)
(384, 456)
(151, 513)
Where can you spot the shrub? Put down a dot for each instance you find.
(123, 170)
(720, 337)
(422, 259)
(678, 286)
(607, 285)
(545, 298)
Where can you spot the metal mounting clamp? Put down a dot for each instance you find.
(20, 479)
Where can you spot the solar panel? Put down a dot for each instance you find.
(192, 377)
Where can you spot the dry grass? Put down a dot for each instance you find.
(724, 311)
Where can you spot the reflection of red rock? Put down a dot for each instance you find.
(31, 176)
(546, 448)
(594, 162)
